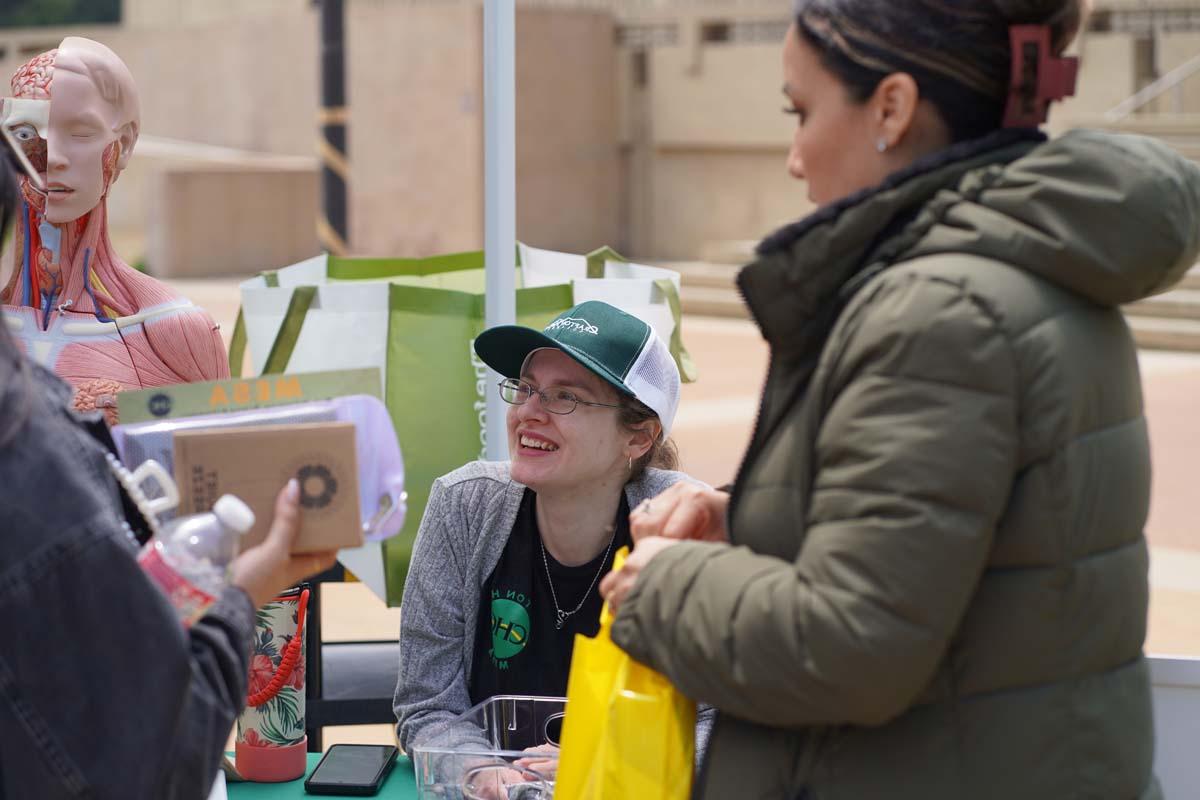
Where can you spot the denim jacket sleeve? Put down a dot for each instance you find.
(102, 692)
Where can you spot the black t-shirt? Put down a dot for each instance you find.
(518, 648)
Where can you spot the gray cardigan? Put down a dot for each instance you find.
(467, 522)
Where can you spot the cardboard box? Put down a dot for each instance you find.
(254, 464)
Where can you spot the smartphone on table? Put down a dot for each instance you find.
(352, 769)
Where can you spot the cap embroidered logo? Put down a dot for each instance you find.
(576, 324)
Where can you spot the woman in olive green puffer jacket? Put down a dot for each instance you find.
(935, 579)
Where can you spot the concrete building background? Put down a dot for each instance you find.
(706, 131)
(650, 125)
(230, 87)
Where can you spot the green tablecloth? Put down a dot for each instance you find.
(400, 785)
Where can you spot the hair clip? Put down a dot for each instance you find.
(1038, 78)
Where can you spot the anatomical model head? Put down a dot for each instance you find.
(90, 130)
(71, 302)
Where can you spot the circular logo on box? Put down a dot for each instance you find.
(159, 404)
(317, 485)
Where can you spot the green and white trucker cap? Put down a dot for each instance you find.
(618, 347)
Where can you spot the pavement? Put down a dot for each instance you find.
(714, 423)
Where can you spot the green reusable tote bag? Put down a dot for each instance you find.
(415, 318)
(437, 387)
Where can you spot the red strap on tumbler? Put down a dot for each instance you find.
(291, 656)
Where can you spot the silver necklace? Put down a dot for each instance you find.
(560, 615)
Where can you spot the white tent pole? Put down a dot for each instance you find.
(500, 192)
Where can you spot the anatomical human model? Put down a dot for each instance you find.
(71, 302)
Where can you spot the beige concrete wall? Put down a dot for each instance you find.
(694, 158)
(233, 76)
(1138, 5)
(212, 221)
(1105, 78)
(1174, 49)
(705, 198)
(718, 95)
(416, 130)
(567, 159)
(250, 85)
(137, 191)
(17, 45)
(636, 187)
(166, 14)
(706, 146)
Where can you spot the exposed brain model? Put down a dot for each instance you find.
(72, 303)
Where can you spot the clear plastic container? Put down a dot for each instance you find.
(190, 556)
(472, 757)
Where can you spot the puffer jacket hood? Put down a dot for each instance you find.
(1109, 217)
(1135, 202)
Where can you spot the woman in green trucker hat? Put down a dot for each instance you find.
(509, 556)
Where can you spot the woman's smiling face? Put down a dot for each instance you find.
(559, 451)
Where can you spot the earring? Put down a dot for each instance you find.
(631, 463)
(881, 145)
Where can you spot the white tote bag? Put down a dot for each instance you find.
(649, 293)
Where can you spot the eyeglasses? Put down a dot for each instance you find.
(554, 399)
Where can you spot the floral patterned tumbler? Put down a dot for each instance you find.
(271, 744)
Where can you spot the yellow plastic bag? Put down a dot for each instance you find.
(628, 733)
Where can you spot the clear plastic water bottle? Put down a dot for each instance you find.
(189, 559)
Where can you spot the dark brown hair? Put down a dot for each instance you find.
(16, 395)
(957, 50)
(663, 454)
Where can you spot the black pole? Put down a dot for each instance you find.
(332, 224)
(314, 689)
(316, 713)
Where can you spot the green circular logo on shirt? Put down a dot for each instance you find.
(510, 628)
